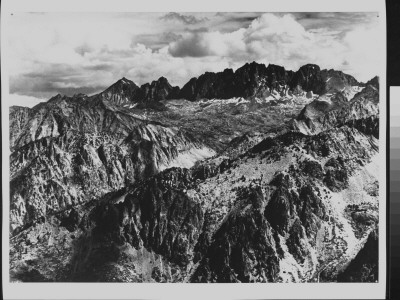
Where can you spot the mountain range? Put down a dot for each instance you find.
(254, 175)
(249, 81)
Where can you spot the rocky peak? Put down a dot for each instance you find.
(55, 98)
(162, 80)
(309, 78)
(124, 81)
(210, 85)
(310, 68)
(374, 82)
(121, 85)
(251, 70)
(158, 90)
(121, 92)
(348, 78)
(256, 80)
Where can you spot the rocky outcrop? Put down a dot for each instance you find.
(309, 78)
(373, 82)
(210, 85)
(126, 92)
(156, 91)
(243, 248)
(156, 215)
(19, 116)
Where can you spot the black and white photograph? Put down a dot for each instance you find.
(194, 147)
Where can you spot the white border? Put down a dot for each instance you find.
(178, 290)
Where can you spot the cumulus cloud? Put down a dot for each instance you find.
(69, 54)
(283, 40)
(199, 44)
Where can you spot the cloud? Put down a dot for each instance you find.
(363, 59)
(155, 41)
(21, 100)
(266, 37)
(151, 65)
(104, 66)
(85, 53)
(50, 79)
(186, 19)
(281, 39)
(199, 44)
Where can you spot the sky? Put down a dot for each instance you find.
(70, 53)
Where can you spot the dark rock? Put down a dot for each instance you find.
(242, 248)
(364, 267)
(309, 78)
(72, 221)
(336, 178)
(295, 242)
(280, 209)
(312, 169)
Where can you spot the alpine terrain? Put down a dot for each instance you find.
(261, 174)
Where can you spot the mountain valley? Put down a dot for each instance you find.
(256, 175)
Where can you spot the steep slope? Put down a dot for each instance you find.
(282, 220)
(80, 113)
(19, 116)
(364, 267)
(156, 91)
(322, 113)
(309, 78)
(70, 152)
(124, 91)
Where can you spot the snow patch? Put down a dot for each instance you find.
(352, 91)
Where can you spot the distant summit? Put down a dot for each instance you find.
(121, 92)
(256, 80)
(157, 90)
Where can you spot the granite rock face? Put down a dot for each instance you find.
(102, 190)
(74, 153)
(157, 90)
(18, 118)
(257, 80)
(156, 215)
(276, 227)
